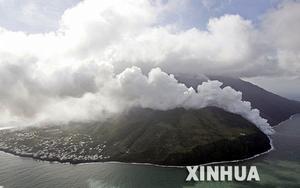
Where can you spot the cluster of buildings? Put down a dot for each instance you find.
(52, 145)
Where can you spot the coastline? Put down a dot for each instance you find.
(291, 117)
(71, 162)
(84, 162)
(204, 164)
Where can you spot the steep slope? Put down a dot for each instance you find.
(174, 137)
(272, 107)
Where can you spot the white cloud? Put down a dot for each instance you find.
(130, 36)
(281, 28)
(92, 93)
(228, 44)
(84, 69)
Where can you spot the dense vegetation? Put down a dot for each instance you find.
(173, 137)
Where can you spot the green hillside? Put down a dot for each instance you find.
(173, 137)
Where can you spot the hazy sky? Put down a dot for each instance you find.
(79, 60)
(33, 15)
(41, 15)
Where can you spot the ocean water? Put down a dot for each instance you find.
(278, 168)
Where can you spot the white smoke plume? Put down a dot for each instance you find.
(93, 92)
(162, 91)
(104, 58)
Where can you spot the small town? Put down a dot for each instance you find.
(56, 146)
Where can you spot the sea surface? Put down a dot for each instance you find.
(278, 168)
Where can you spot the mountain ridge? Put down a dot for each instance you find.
(272, 107)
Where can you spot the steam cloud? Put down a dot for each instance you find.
(93, 92)
(104, 57)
